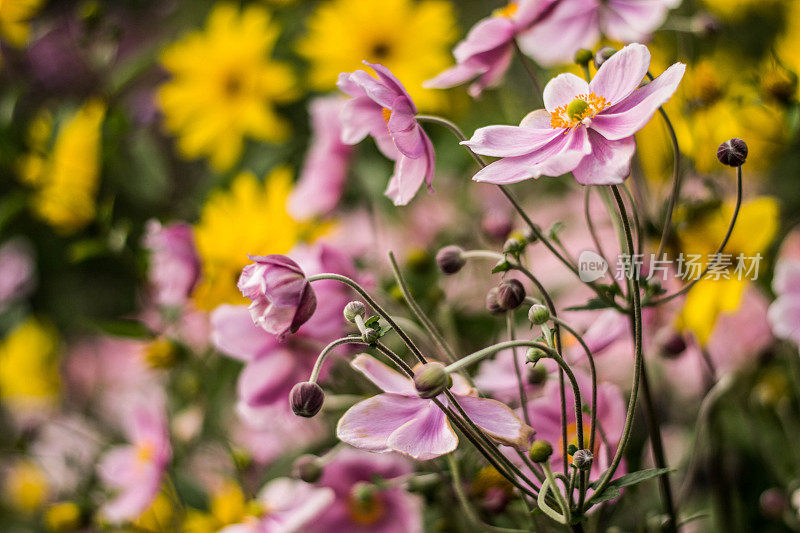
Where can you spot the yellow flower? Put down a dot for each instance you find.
(249, 218)
(224, 86)
(66, 179)
(63, 516)
(787, 45)
(25, 486)
(14, 17)
(411, 38)
(755, 229)
(737, 9)
(29, 366)
(228, 506)
(160, 517)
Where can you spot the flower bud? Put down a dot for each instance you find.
(510, 294)
(530, 235)
(534, 354)
(515, 245)
(536, 374)
(603, 55)
(450, 259)
(306, 399)
(497, 225)
(492, 305)
(538, 314)
(540, 451)
(307, 468)
(773, 503)
(732, 152)
(431, 379)
(371, 335)
(583, 56)
(674, 346)
(582, 459)
(354, 309)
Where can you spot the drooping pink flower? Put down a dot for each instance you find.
(381, 107)
(323, 178)
(363, 504)
(575, 24)
(585, 128)
(281, 297)
(290, 506)
(135, 470)
(400, 421)
(17, 271)
(487, 51)
(784, 313)
(174, 265)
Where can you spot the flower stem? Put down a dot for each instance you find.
(526, 63)
(523, 397)
(353, 339)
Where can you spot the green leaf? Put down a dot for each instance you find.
(609, 493)
(591, 305)
(634, 478)
(371, 320)
(502, 266)
(132, 329)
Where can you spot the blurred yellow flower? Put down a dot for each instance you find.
(737, 9)
(228, 506)
(160, 517)
(755, 230)
(249, 218)
(25, 486)
(66, 178)
(411, 38)
(14, 17)
(787, 45)
(29, 365)
(224, 85)
(62, 516)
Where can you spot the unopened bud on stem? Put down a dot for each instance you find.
(540, 451)
(603, 55)
(582, 459)
(450, 259)
(510, 294)
(732, 152)
(306, 399)
(538, 314)
(431, 379)
(354, 309)
(307, 468)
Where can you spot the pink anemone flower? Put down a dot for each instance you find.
(784, 313)
(381, 107)
(585, 128)
(400, 421)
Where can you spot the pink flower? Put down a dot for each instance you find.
(17, 271)
(784, 313)
(282, 298)
(575, 24)
(586, 128)
(400, 421)
(174, 265)
(487, 51)
(290, 506)
(363, 504)
(135, 470)
(383, 109)
(323, 178)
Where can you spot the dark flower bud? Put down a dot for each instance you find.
(538, 314)
(536, 375)
(431, 379)
(582, 459)
(534, 354)
(450, 259)
(492, 305)
(497, 225)
(307, 468)
(674, 346)
(603, 55)
(732, 152)
(306, 399)
(510, 294)
(571, 449)
(773, 503)
(495, 500)
(583, 56)
(540, 451)
(354, 309)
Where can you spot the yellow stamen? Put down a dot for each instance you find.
(366, 509)
(584, 106)
(572, 438)
(145, 452)
(508, 11)
(386, 113)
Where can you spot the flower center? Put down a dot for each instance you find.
(145, 452)
(572, 438)
(233, 85)
(386, 113)
(381, 50)
(508, 11)
(578, 111)
(365, 505)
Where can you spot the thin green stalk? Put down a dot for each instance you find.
(353, 339)
(523, 396)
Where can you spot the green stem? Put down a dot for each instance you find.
(354, 339)
(523, 396)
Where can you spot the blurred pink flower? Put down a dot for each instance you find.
(360, 506)
(174, 265)
(269, 432)
(322, 181)
(575, 24)
(17, 271)
(399, 420)
(66, 447)
(290, 506)
(586, 128)
(383, 109)
(784, 313)
(134, 471)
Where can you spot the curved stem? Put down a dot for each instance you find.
(523, 397)
(593, 231)
(353, 339)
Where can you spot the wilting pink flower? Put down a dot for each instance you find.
(383, 109)
(135, 470)
(17, 271)
(586, 128)
(575, 24)
(400, 421)
(282, 298)
(174, 265)
(488, 49)
(362, 503)
(323, 178)
(290, 505)
(784, 313)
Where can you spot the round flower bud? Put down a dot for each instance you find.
(773, 503)
(603, 55)
(306, 399)
(534, 354)
(536, 374)
(582, 459)
(450, 259)
(371, 336)
(540, 451)
(514, 246)
(530, 235)
(354, 309)
(307, 468)
(492, 305)
(510, 294)
(431, 379)
(732, 152)
(538, 314)
(583, 56)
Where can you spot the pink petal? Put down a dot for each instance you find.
(456, 75)
(563, 89)
(268, 380)
(787, 277)
(386, 378)
(784, 317)
(498, 62)
(409, 174)
(360, 116)
(369, 423)
(608, 164)
(380, 93)
(556, 38)
(633, 20)
(293, 504)
(427, 436)
(512, 141)
(622, 73)
(634, 112)
(391, 81)
(234, 334)
(405, 131)
(486, 35)
(496, 419)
